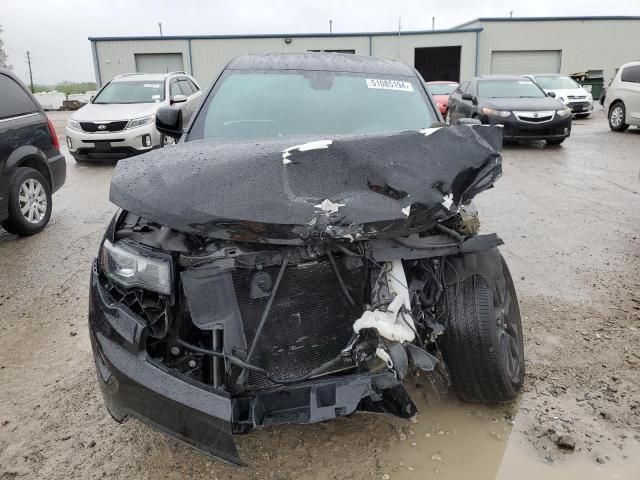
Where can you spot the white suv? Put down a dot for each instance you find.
(120, 120)
(622, 100)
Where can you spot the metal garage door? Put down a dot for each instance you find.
(526, 61)
(158, 62)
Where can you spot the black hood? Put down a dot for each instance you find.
(525, 104)
(288, 191)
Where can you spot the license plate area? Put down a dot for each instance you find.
(103, 147)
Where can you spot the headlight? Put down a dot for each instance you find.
(564, 112)
(496, 113)
(589, 97)
(562, 99)
(138, 122)
(131, 267)
(73, 124)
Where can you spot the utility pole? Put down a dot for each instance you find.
(30, 73)
(330, 26)
(160, 27)
(433, 23)
(511, 14)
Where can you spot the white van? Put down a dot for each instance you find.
(622, 101)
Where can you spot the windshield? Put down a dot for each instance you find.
(250, 105)
(131, 92)
(557, 83)
(509, 89)
(441, 88)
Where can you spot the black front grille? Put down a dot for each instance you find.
(535, 119)
(310, 321)
(108, 126)
(533, 132)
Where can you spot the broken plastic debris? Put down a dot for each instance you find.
(317, 145)
(447, 201)
(396, 323)
(407, 210)
(328, 206)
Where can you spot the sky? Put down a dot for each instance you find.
(55, 32)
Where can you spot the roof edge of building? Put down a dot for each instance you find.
(544, 19)
(283, 35)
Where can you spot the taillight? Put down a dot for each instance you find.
(54, 137)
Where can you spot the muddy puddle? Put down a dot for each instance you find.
(455, 440)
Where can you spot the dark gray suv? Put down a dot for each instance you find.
(31, 165)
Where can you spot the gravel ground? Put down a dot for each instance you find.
(570, 222)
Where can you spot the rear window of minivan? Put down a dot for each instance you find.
(14, 101)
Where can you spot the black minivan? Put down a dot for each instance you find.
(31, 165)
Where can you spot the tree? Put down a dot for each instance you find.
(4, 58)
(68, 87)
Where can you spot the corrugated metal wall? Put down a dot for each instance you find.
(210, 55)
(585, 44)
(403, 47)
(117, 57)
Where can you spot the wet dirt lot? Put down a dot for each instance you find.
(571, 224)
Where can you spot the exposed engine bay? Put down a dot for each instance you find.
(316, 298)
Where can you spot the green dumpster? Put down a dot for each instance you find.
(591, 80)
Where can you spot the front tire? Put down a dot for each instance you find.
(617, 114)
(29, 202)
(483, 343)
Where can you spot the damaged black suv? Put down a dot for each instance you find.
(307, 245)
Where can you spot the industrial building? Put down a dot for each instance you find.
(482, 46)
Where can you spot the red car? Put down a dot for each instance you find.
(441, 91)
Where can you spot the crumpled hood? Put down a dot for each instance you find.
(118, 111)
(285, 191)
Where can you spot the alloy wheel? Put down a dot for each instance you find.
(507, 329)
(33, 201)
(616, 116)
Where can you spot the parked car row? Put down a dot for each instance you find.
(538, 106)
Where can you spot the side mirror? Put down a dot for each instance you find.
(169, 122)
(178, 99)
(552, 94)
(469, 97)
(469, 121)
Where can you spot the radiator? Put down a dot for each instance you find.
(310, 321)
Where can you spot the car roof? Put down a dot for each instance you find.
(152, 77)
(630, 64)
(498, 77)
(546, 75)
(330, 62)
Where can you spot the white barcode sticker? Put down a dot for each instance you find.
(385, 84)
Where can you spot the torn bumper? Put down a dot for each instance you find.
(133, 385)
